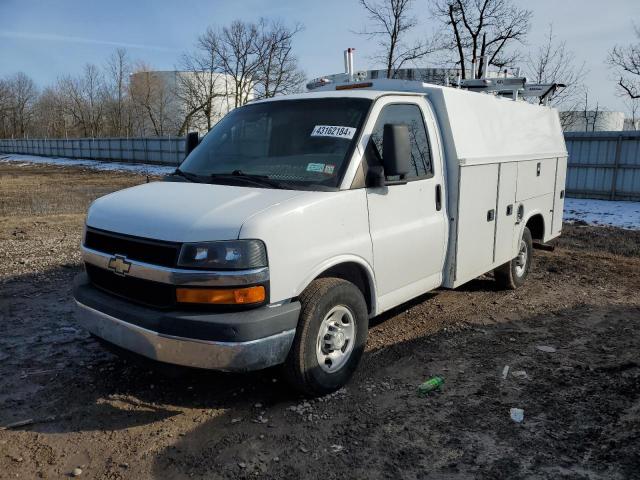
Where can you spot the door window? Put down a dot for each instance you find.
(410, 115)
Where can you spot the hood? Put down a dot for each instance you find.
(182, 212)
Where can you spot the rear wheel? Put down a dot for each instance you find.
(331, 335)
(513, 274)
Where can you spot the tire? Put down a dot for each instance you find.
(336, 307)
(513, 274)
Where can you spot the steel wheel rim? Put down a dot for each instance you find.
(336, 338)
(521, 259)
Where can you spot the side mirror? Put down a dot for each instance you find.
(396, 148)
(191, 142)
(375, 177)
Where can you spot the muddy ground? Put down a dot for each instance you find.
(117, 419)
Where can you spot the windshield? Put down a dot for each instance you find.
(292, 143)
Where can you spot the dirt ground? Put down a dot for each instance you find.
(117, 419)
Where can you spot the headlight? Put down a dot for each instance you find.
(224, 255)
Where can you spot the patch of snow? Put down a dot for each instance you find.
(603, 212)
(138, 168)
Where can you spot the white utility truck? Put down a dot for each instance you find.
(298, 218)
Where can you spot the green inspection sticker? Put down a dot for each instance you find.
(315, 167)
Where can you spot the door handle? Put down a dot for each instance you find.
(438, 197)
(520, 214)
(491, 214)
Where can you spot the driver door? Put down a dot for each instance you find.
(407, 222)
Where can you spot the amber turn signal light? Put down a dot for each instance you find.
(217, 296)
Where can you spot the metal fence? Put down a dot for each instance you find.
(603, 165)
(161, 150)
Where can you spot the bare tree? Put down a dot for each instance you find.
(83, 99)
(201, 88)
(278, 71)
(591, 113)
(625, 61)
(482, 28)
(21, 93)
(391, 22)
(118, 70)
(552, 62)
(5, 123)
(154, 102)
(237, 47)
(633, 107)
(588, 116)
(50, 112)
(255, 58)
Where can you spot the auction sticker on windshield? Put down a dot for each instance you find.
(333, 131)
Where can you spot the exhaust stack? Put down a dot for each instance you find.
(348, 62)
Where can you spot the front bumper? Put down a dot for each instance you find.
(236, 341)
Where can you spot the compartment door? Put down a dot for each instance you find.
(477, 192)
(558, 197)
(506, 213)
(536, 178)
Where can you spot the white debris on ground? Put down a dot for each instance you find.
(603, 212)
(517, 415)
(592, 212)
(141, 168)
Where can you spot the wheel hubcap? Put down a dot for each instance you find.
(335, 339)
(521, 259)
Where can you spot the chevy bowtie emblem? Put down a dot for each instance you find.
(119, 264)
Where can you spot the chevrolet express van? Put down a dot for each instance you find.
(298, 218)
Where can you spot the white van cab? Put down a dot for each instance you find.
(298, 218)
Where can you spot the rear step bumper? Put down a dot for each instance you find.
(543, 246)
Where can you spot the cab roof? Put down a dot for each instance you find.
(350, 93)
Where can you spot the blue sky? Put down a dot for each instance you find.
(47, 39)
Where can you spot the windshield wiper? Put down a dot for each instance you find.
(189, 176)
(260, 180)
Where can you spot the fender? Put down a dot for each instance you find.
(525, 219)
(332, 262)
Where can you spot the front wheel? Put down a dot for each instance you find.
(513, 274)
(331, 335)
